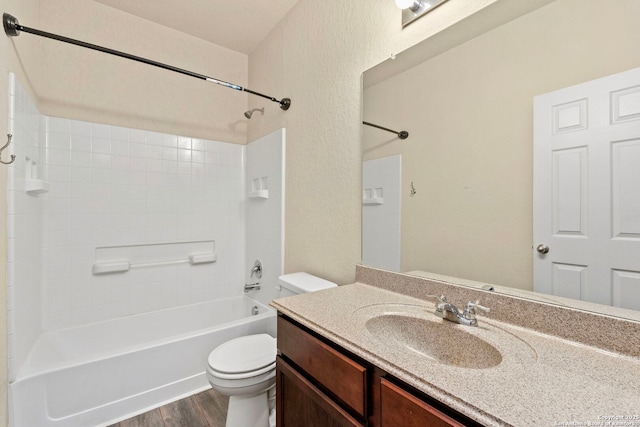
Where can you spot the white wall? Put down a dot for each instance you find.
(9, 61)
(113, 186)
(24, 228)
(381, 226)
(265, 226)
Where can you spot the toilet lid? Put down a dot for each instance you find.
(244, 354)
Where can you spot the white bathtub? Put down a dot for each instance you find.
(99, 374)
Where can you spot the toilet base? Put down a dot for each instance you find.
(252, 410)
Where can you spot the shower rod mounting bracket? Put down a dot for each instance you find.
(12, 28)
(10, 24)
(285, 103)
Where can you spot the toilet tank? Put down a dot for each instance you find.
(301, 283)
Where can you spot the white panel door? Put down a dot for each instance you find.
(587, 191)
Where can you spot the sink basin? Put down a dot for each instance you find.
(439, 340)
(414, 334)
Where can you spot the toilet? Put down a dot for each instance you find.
(244, 368)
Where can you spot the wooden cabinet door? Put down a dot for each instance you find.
(329, 368)
(301, 404)
(400, 408)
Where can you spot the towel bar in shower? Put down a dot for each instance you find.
(121, 266)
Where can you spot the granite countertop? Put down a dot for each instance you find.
(541, 380)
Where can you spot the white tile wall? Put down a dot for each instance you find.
(113, 186)
(24, 229)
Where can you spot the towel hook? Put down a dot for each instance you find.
(13, 156)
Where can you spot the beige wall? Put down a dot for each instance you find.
(83, 84)
(316, 55)
(469, 114)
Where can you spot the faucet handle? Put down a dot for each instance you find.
(257, 269)
(470, 309)
(440, 301)
(474, 305)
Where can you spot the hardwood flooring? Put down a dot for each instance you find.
(206, 409)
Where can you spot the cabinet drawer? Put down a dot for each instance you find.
(337, 373)
(399, 407)
(300, 403)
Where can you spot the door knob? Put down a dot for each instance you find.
(542, 248)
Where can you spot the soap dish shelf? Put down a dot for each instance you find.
(35, 187)
(259, 194)
(372, 201)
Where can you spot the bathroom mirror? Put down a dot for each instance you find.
(458, 195)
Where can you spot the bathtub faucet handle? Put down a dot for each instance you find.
(257, 269)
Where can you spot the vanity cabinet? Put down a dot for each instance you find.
(401, 408)
(302, 403)
(316, 383)
(319, 384)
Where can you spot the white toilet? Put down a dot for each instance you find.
(244, 368)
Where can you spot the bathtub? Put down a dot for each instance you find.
(102, 373)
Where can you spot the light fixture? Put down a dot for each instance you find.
(413, 5)
(414, 9)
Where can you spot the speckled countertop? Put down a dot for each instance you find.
(537, 379)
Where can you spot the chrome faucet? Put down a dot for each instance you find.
(448, 311)
(257, 271)
(251, 287)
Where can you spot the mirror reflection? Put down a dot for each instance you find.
(456, 198)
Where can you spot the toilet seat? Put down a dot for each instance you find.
(243, 357)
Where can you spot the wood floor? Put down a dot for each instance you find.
(206, 409)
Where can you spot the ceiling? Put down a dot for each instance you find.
(239, 25)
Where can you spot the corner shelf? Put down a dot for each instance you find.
(35, 187)
(372, 201)
(259, 194)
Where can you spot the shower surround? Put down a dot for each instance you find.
(94, 186)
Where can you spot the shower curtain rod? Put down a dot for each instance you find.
(403, 134)
(12, 28)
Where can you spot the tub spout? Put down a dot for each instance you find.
(251, 286)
